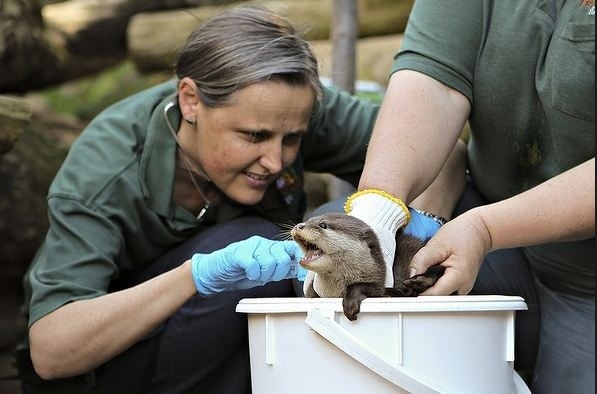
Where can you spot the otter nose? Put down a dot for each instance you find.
(300, 226)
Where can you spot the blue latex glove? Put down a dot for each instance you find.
(301, 273)
(245, 264)
(422, 226)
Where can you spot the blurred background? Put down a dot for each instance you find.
(62, 62)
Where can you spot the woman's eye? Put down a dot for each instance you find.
(292, 139)
(256, 136)
(323, 225)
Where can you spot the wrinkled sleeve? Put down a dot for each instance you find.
(76, 260)
(442, 40)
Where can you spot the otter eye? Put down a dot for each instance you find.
(323, 225)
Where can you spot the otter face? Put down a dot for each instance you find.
(331, 241)
(309, 237)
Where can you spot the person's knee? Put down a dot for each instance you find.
(234, 230)
(336, 205)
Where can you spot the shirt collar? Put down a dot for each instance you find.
(158, 158)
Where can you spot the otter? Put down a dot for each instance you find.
(345, 255)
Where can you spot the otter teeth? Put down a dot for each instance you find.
(312, 252)
(311, 255)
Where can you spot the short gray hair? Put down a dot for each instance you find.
(244, 45)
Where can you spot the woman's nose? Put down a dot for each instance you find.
(271, 158)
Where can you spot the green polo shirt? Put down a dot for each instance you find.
(528, 70)
(110, 205)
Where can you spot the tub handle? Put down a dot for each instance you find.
(358, 350)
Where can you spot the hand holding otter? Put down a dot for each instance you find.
(386, 214)
(245, 264)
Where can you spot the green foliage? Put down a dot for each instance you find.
(375, 97)
(86, 97)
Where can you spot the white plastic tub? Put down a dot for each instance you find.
(429, 345)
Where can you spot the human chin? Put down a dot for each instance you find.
(247, 196)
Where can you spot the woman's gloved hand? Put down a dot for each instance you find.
(245, 264)
(423, 225)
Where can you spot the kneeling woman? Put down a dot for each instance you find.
(167, 212)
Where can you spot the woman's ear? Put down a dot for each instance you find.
(188, 100)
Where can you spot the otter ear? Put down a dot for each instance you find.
(188, 99)
(368, 233)
(371, 238)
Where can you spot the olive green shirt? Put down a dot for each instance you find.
(111, 207)
(528, 69)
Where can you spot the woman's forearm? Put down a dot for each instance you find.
(409, 144)
(81, 335)
(441, 197)
(559, 209)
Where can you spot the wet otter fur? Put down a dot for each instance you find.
(345, 255)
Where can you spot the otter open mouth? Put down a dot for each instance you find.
(312, 252)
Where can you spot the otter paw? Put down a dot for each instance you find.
(419, 283)
(403, 290)
(351, 307)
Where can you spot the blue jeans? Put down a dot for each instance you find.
(205, 345)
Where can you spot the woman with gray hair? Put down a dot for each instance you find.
(166, 212)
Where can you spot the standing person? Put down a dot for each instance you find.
(166, 212)
(523, 74)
